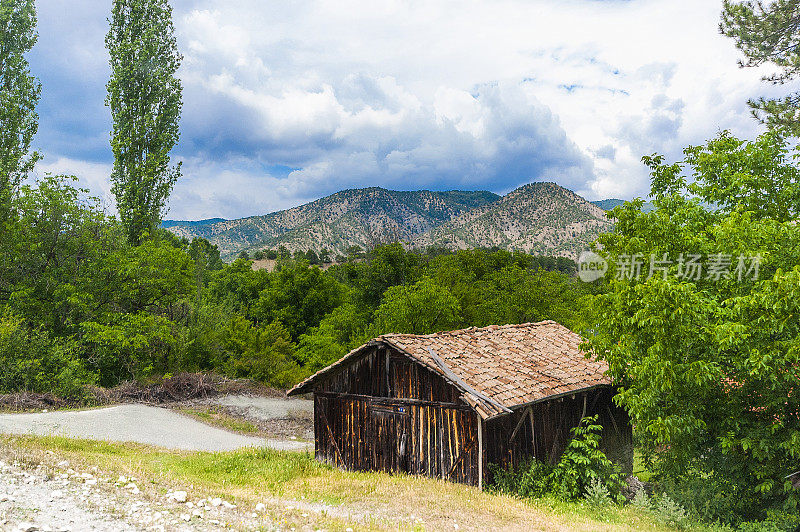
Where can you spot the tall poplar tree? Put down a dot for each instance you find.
(19, 94)
(144, 95)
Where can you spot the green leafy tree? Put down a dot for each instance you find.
(50, 253)
(206, 259)
(421, 308)
(236, 286)
(131, 346)
(144, 95)
(299, 297)
(34, 362)
(343, 329)
(312, 257)
(707, 363)
(260, 353)
(19, 94)
(583, 463)
(768, 33)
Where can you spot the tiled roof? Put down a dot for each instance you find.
(498, 367)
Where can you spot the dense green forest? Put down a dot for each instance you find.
(82, 305)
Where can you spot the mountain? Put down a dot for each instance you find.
(541, 218)
(166, 224)
(362, 217)
(608, 204)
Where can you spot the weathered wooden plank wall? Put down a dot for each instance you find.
(406, 419)
(547, 437)
(396, 435)
(369, 376)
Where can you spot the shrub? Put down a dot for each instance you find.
(134, 346)
(31, 361)
(642, 501)
(597, 493)
(583, 471)
(530, 480)
(670, 512)
(583, 462)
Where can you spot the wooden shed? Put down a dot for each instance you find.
(448, 404)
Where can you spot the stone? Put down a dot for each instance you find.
(179, 496)
(260, 507)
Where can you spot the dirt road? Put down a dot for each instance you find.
(138, 423)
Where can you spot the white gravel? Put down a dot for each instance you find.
(31, 501)
(141, 424)
(57, 498)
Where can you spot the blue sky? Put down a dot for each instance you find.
(285, 102)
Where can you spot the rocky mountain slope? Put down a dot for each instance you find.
(540, 218)
(362, 217)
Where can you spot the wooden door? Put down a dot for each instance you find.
(391, 436)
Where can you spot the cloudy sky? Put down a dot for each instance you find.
(286, 101)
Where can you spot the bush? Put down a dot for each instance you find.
(31, 361)
(583, 463)
(531, 480)
(261, 353)
(670, 512)
(584, 471)
(597, 493)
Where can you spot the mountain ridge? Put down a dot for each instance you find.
(349, 217)
(539, 217)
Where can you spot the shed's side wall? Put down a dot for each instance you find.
(401, 419)
(404, 379)
(547, 438)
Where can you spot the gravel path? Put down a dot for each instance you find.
(138, 423)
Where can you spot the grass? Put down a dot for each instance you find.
(221, 420)
(370, 500)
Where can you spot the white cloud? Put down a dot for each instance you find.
(288, 101)
(91, 176)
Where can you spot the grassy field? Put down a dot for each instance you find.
(300, 492)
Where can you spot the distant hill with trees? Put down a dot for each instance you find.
(541, 218)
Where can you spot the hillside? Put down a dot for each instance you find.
(362, 217)
(608, 204)
(166, 224)
(542, 218)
